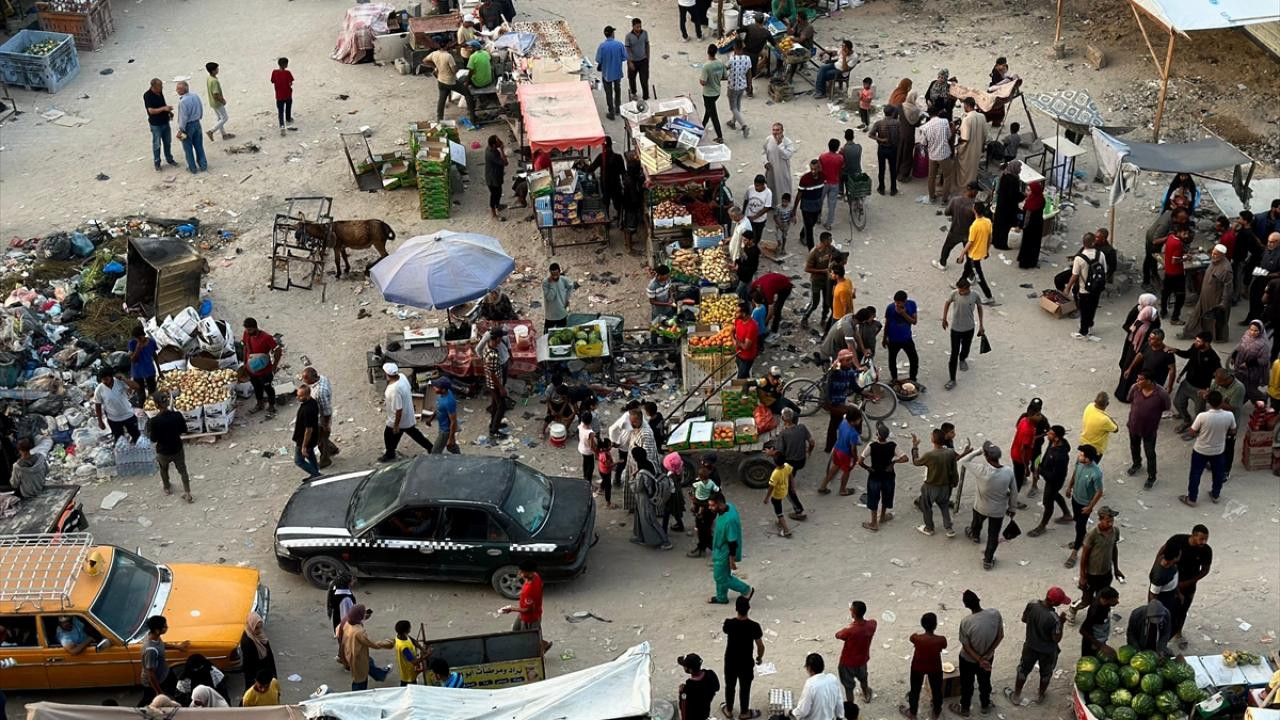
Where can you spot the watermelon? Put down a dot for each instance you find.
(1121, 697)
(1108, 678)
(1143, 704)
(1188, 691)
(1145, 661)
(1097, 711)
(1179, 670)
(1129, 677)
(1088, 664)
(1084, 682)
(1125, 654)
(1167, 702)
(1099, 696)
(1152, 683)
(1123, 713)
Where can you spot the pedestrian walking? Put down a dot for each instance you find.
(794, 444)
(818, 264)
(996, 492)
(355, 644)
(844, 450)
(704, 517)
(190, 112)
(261, 357)
(962, 316)
(556, 289)
(282, 83)
(1088, 281)
(976, 249)
(726, 551)
(401, 420)
(637, 47)
(306, 433)
(529, 608)
(899, 317)
(742, 636)
(322, 391)
(159, 115)
(157, 677)
(960, 210)
(651, 491)
(1022, 449)
(981, 632)
(112, 406)
(1053, 470)
(855, 654)
(737, 80)
(166, 430)
(779, 488)
(495, 382)
(832, 164)
(217, 103)
(1195, 559)
(673, 468)
(495, 168)
(1211, 429)
(702, 686)
(1085, 490)
(710, 77)
(610, 55)
(941, 475)
(926, 662)
(1147, 404)
(878, 458)
(1099, 560)
(1044, 634)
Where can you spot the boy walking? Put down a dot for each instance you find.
(217, 102)
(282, 80)
(779, 487)
(856, 652)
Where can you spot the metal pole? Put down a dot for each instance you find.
(1057, 32)
(1111, 225)
(1164, 88)
(719, 18)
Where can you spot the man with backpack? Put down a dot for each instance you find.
(1088, 280)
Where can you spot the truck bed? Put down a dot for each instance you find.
(38, 515)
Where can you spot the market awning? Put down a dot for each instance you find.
(1200, 156)
(1187, 15)
(1073, 108)
(560, 116)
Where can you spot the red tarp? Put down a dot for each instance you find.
(560, 116)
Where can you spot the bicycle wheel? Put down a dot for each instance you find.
(858, 214)
(806, 393)
(879, 401)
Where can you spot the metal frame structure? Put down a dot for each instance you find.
(39, 569)
(297, 258)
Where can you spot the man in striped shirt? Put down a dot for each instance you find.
(323, 394)
(937, 138)
(444, 676)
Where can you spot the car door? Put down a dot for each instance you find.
(20, 640)
(114, 665)
(472, 542)
(404, 544)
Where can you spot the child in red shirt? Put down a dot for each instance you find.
(1175, 279)
(282, 79)
(926, 662)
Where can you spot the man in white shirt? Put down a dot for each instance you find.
(937, 138)
(1210, 429)
(1088, 278)
(996, 493)
(822, 697)
(757, 205)
(401, 419)
(112, 406)
(740, 224)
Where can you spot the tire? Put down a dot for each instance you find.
(858, 214)
(884, 406)
(754, 471)
(506, 581)
(322, 570)
(805, 392)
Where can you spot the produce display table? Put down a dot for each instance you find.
(418, 357)
(462, 360)
(544, 348)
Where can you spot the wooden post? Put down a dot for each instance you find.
(1164, 88)
(1111, 223)
(720, 18)
(1057, 32)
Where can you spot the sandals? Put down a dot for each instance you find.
(188, 498)
(715, 601)
(1070, 562)
(824, 491)
(872, 528)
(845, 493)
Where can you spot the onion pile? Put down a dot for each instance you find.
(194, 388)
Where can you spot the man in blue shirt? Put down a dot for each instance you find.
(142, 354)
(898, 319)
(842, 383)
(443, 676)
(446, 417)
(190, 113)
(845, 452)
(609, 59)
(71, 635)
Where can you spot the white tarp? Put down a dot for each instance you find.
(1189, 15)
(619, 689)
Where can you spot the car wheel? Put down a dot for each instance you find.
(322, 570)
(755, 472)
(506, 580)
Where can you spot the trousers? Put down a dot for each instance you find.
(1217, 466)
(931, 495)
(735, 108)
(913, 358)
(819, 297)
(284, 111)
(741, 674)
(1052, 496)
(640, 69)
(973, 269)
(887, 157)
(179, 462)
(940, 172)
(1148, 445)
(1187, 393)
(446, 90)
(193, 147)
(161, 135)
(1175, 285)
(832, 193)
(726, 581)
(710, 113)
(613, 95)
(970, 671)
(223, 117)
(1082, 524)
(993, 533)
(935, 691)
(961, 342)
(391, 439)
(1088, 304)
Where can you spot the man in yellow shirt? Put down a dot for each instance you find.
(779, 484)
(264, 692)
(1096, 426)
(977, 249)
(842, 293)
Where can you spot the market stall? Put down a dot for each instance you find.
(561, 119)
(1140, 684)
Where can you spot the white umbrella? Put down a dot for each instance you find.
(442, 270)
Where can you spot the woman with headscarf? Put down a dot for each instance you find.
(911, 110)
(199, 671)
(1009, 196)
(1251, 360)
(899, 94)
(906, 145)
(673, 464)
(1182, 183)
(1032, 226)
(255, 649)
(938, 94)
(355, 646)
(651, 499)
(206, 697)
(1136, 343)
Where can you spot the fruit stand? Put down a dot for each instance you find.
(724, 423)
(1137, 685)
(205, 398)
(588, 342)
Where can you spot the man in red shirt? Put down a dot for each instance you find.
(1226, 235)
(1175, 280)
(529, 610)
(776, 288)
(261, 355)
(832, 162)
(746, 338)
(282, 79)
(857, 651)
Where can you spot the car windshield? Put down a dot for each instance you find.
(377, 494)
(530, 498)
(125, 598)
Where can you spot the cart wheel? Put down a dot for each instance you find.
(755, 472)
(805, 392)
(879, 401)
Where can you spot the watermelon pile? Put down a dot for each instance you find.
(1137, 686)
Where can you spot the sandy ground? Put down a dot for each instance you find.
(806, 582)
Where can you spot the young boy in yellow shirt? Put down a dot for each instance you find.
(264, 692)
(779, 484)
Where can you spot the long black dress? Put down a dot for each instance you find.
(251, 662)
(1032, 232)
(1008, 196)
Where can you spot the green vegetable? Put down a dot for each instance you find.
(1145, 662)
(1129, 677)
(1175, 672)
(1097, 711)
(1088, 664)
(1099, 696)
(1152, 683)
(1108, 678)
(1125, 653)
(1123, 713)
(1167, 702)
(1188, 691)
(1121, 697)
(1084, 681)
(1143, 704)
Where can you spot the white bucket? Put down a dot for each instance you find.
(557, 433)
(730, 19)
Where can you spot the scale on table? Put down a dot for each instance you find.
(423, 337)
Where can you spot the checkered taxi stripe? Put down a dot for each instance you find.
(376, 543)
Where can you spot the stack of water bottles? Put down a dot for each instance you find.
(134, 458)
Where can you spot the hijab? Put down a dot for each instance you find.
(1013, 167)
(673, 463)
(1142, 326)
(1250, 344)
(355, 616)
(253, 628)
(207, 697)
(911, 107)
(899, 94)
(1035, 198)
(641, 459)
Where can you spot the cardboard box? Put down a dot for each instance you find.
(1058, 310)
(219, 424)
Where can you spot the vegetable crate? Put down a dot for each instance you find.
(713, 368)
(49, 71)
(90, 27)
(858, 186)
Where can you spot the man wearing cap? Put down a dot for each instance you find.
(699, 690)
(1213, 307)
(446, 417)
(1044, 632)
(401, 420)
(997, 491)
(981, 632)
(1085, 491)
(1099, 560)
(609, 58)
(479, 65)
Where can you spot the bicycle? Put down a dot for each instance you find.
(857, 187)
(877, 400)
